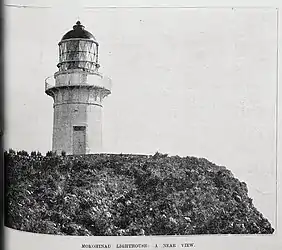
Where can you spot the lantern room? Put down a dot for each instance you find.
(78, 49)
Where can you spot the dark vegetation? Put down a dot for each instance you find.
(111, 194)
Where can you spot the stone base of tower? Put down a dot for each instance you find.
(77, 129)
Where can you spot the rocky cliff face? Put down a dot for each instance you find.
(111, 194)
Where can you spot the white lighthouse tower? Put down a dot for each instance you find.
(78, 90)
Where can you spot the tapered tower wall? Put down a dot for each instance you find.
(82, 108)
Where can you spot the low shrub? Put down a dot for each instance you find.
(123, 194)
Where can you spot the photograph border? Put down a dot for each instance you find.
(276, 226)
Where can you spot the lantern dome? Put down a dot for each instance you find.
(78, 32)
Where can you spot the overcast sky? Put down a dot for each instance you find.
(191, 82)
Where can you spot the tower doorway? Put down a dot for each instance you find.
(79, 140)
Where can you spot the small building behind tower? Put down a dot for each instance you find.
(78, 90)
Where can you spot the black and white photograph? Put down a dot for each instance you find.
(127, 121)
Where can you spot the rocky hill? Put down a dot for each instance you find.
(117, 194)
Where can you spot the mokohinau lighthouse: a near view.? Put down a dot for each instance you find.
(78, 90)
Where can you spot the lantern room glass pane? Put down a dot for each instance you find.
(77, 56)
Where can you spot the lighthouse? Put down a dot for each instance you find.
(78, 90)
